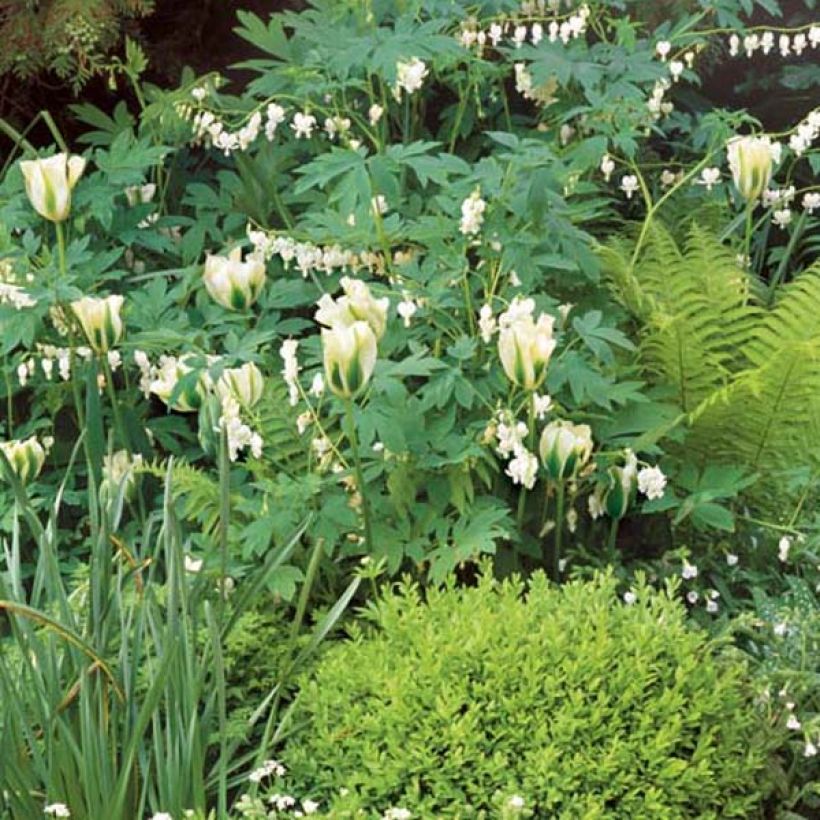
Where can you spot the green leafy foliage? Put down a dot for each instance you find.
(580, 704)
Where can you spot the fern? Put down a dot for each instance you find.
(199, 490)
(747, 378)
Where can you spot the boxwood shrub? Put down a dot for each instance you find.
(578, 703)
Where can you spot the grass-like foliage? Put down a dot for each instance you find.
(582, 705)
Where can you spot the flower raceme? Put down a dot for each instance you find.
(49, 183)
(26, 457)
(525, 347)
(100, 320)
(565, 448)
(232, 283)
(350, 353)
(750, 161)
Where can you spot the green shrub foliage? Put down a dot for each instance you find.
(582, 705)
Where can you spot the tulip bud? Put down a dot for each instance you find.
(245, 384)
(750, 161)
(100, 320)
(118, 469)
(171, 371)
(49, 183)
(350, 356)
(565, 448)
(232, 283)
(621, 490)
(525, 347)
(25, 457)
(357, 305)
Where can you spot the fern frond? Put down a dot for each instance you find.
(199, 490)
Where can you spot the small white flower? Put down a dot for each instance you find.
(782, 217)
(487, 323)
(712, 607)
(781, 628)
(663, 48)
(310, 806)
(409, 76)
(651, 482)
(784, 44)
(317, 386)
(303, 125)
(57, 810)
(810, 750)
(374, 113)
(162, 815)
(607, 166)
(192, 565)
(542, 405)
(516, 802)
(676, 69)
(523, 468)
(709, 177)
(734, 45)
(379, 204)
(397, 814)
(519, 36)
(793, 723)
(783, 547)
(732, 559)
(811, 202)
(630, 597)
(689, 571)
(692, 597)
(668, 178)
(407, 309)
(199, 93)
(472, 213)
(629, 184)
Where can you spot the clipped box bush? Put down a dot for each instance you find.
(582, 705)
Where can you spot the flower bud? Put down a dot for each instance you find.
(232, 283)
(565, 448)
(750, 161)
(525, 347)
(349, 356)
(621, 490)
(118, 470)
(194, 388)
(25, 457)
(49, 183)
(100, 320)
(357, 305)
(245, 384)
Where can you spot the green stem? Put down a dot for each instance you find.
(559, 531)
(224, 521)
(353, 438)
(9, 399)
(781, 268)
(522, 498)
(115, 406)
(747, 243)
(58, 226)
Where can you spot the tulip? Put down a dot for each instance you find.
(349, 356)
(621, 490)
(171, 371)
(118, 470)
(357, 305)
(245, 384)
(525, 347)
(232, 283)
(25, 457)
(100, 320)
(565, 448)
(750, 161)
(49, 183)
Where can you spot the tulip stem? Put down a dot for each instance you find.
(522, 498)
(115, 407)
(58, 226)
(747, 244)
(559, 531)
(353, 438)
